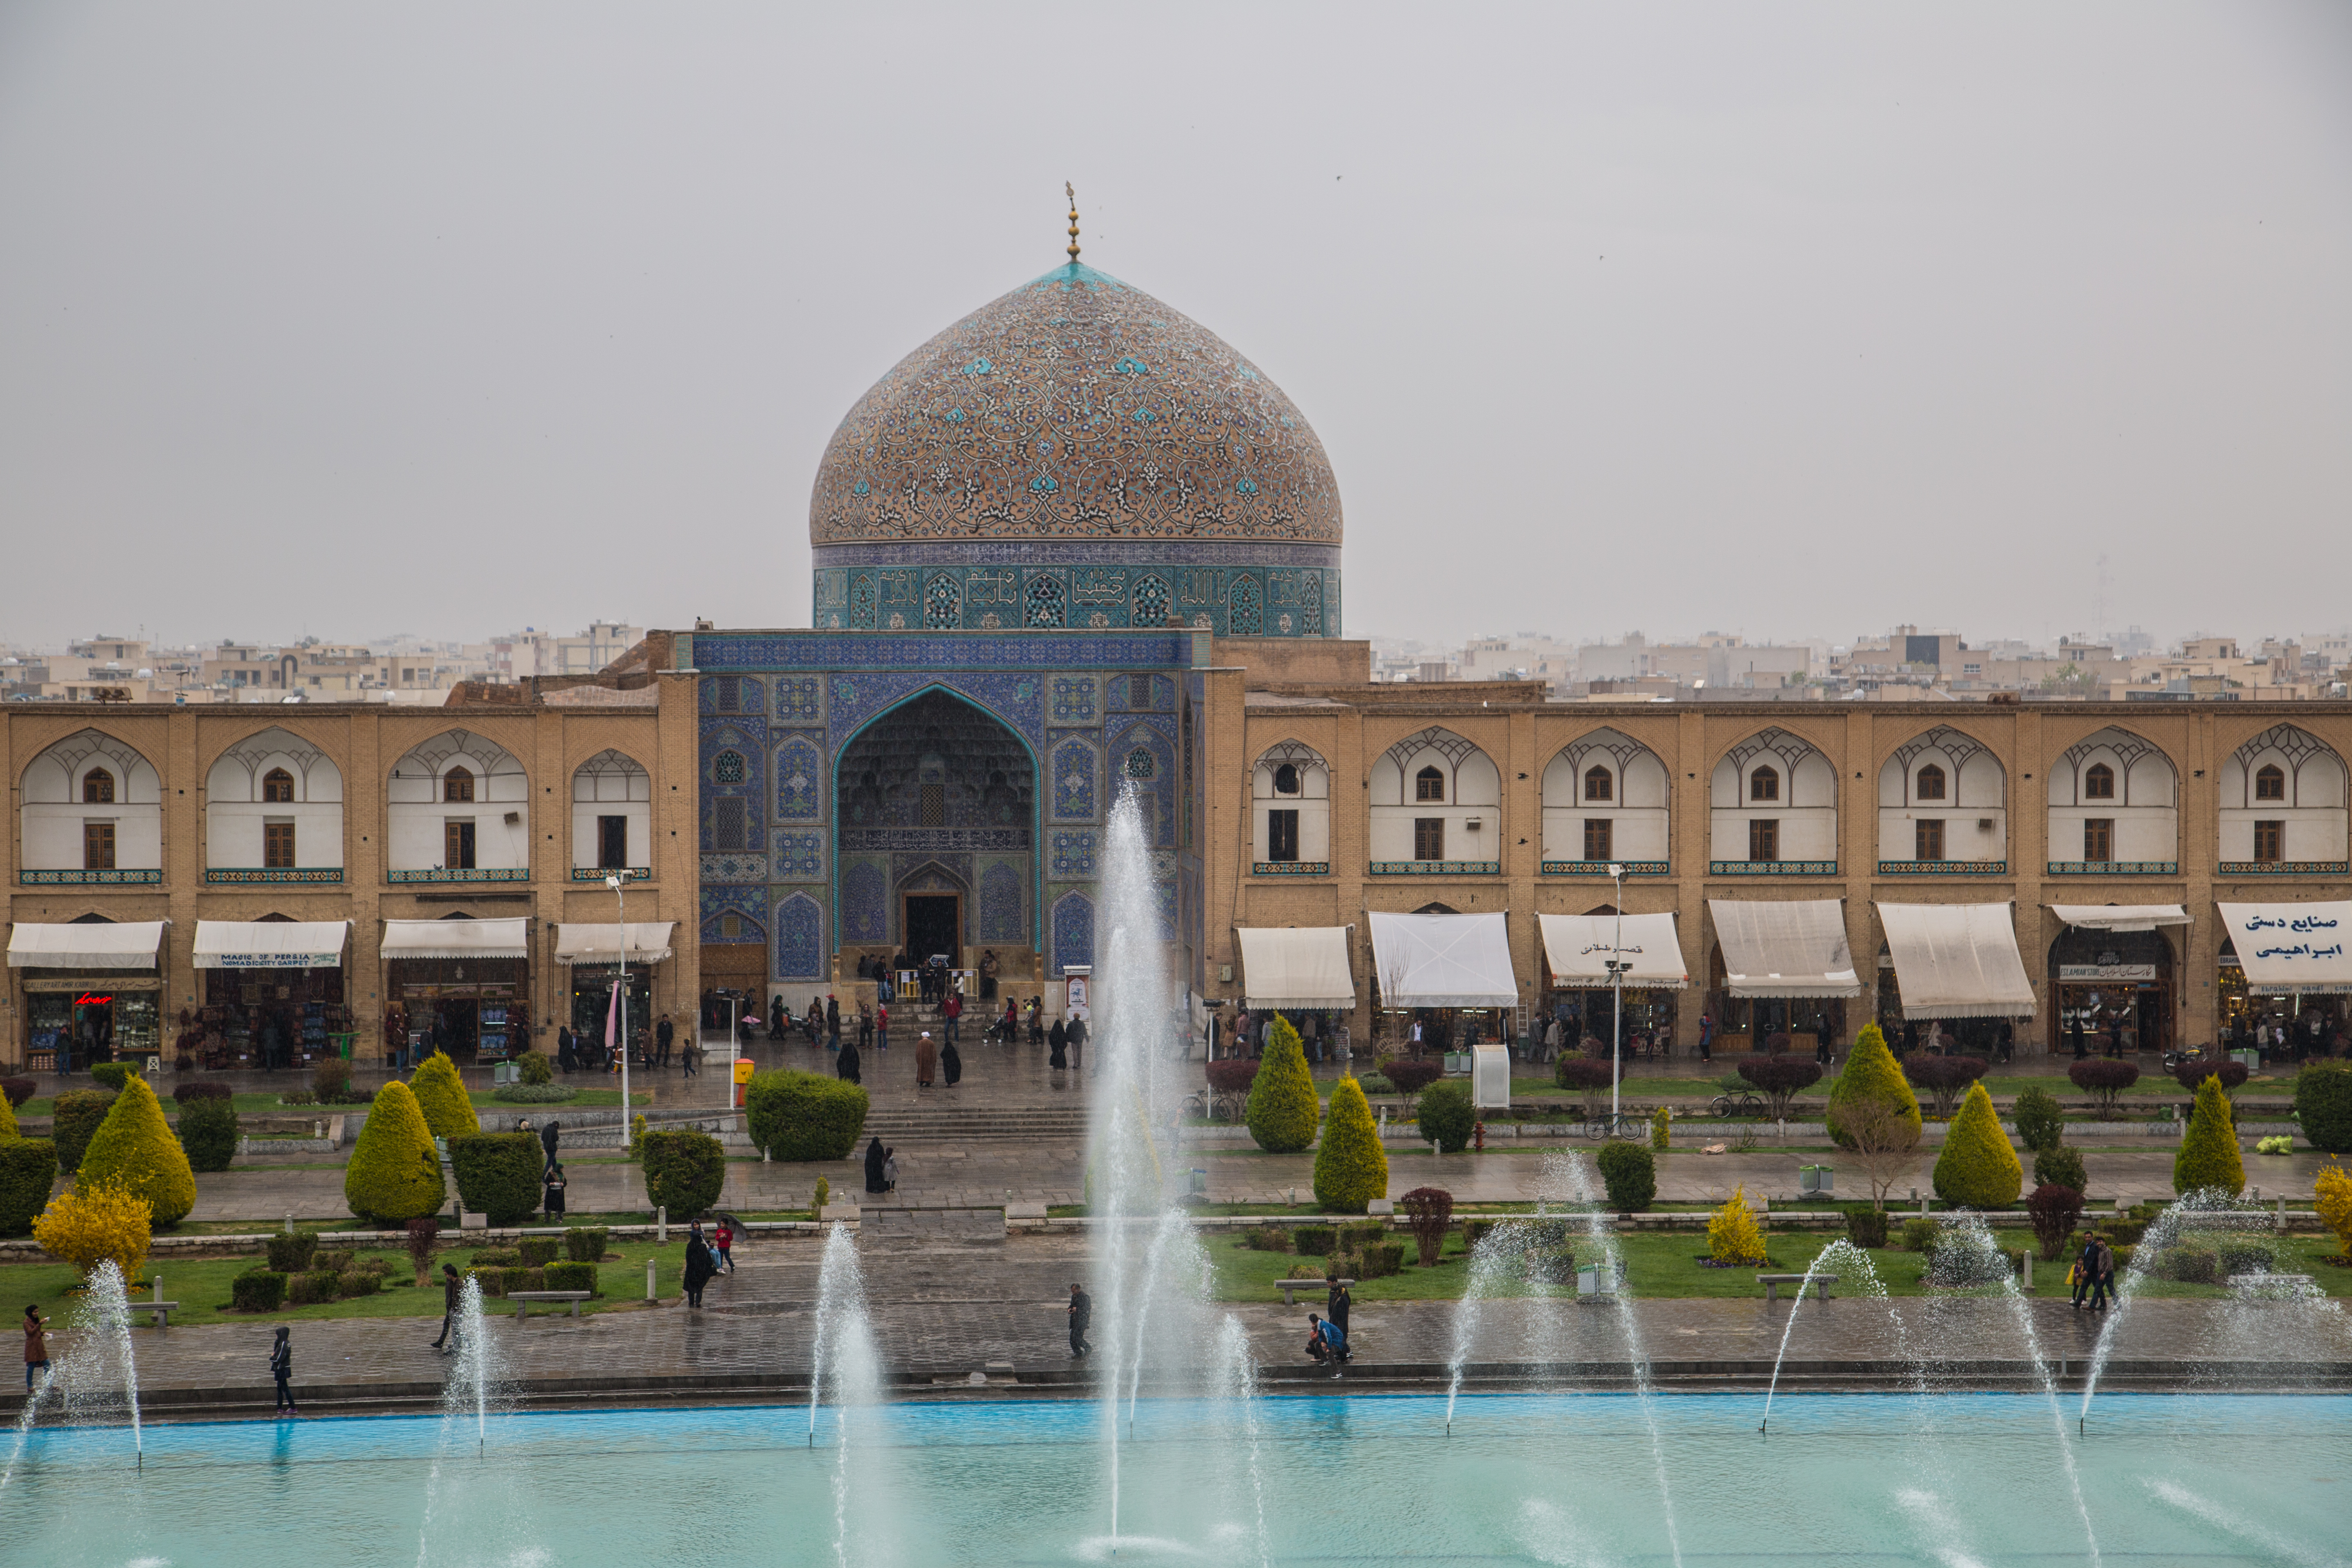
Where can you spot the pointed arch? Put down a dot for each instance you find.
(1605, 800)
(273, 811)
(1942, 803)
(2114, 807)
(1290, 807)
(91, 810)
(431, 836)
(2283, 806)
(612, 814)
(1772, 807)
(1436, 807)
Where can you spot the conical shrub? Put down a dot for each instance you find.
(1351, 1169)
(8, 1121)
(1732, 1236)
(394, 1174)
(441, 1094)
(1978, 1169)
(134, 1148)
(2209, 1153)
(1283, 1111)
(1871, 1073)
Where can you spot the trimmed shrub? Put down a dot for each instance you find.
(441, 1096)
(293, 1254)
(190, 1090)
(17, 1090)
(584, 1242)
(28, 1168)
(1267, 1238)
(572, 1276)
(1920, 1234)
(1411, 1077)
(497, 1174)
(539, 1251)
(1661, 1128)
(112, 1075)
(2057, 1209)
(1871, 1073)
(685, 1170)
(533, 1093)
(2248, 1254)
(2191, 1074)
(1978, 1168)
(358, 1283)
(1428, 1211)
(1867, 1227)
(78, 1115)
(2333, 1189)
(1732, 1236)
(335, 1260)
(394, 1175)
(1350, 1167)
(92, 1222)
(1584, 1075)
(2208, 1150)
(1630, 1172)
(2187, 1263)
(2103, 1079)
(2061, 1166)
(1283, 1109)
(1380, 1262)
(492, 1279)
(420, 1235)
(311, 1288)
(536, 1067)
(1233, 1075)
(1779, 1077)
(803, 1115)
(208, 1131)
(1474, 1231)
(1314, 1240)
(498, 1258)
(2323, 1105)
(135, 1147)
(2041, 1121)
(298, 1097)
(257, 1291)
(1945, 1077)
(524, 1278)
(7, 1121)
(1446, 1116)
(330, 1079)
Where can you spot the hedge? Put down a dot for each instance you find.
(1870, 1073)
(572, 1277)
(208, 1131)
(1283, 1109)
(1446, 1115)
(803, 1115)
(78, 1115)
(1978, 1168)
(1630, 1172)
(292, 1253)
(2323, 1104)
(497, 1174)
(584, 1242)
(311, 1288)
(393, 1173)
(189, 1090)
(134, 1148)
(685, 1170)
(17, 1090)
(1350, 1167)
(441, 1095)
(257, 1291)
(8, 1121)
(112, 1075)
(2209, 1153)
(28, 1168)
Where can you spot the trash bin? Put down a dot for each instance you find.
(1815, 1178)
(1200, 1181)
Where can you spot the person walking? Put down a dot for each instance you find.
(881, 1027)
(551, 1185)
(831, 1023)
(926, 1060)
(699, 1265)
(953, 1011)
(36, 1344)
(1082, 1312)
(663, 1032)
(1036, 1020)
(846, 1065)
(1706, 1037)
(689, 1057)
(951, 1063)
(723, 1235)
(874, 1156)
(452, 1289)
(566, 1057)
(281, 1368)
(1058, 1039)
(865, 1028)
(2075, 1037)
(548, 1138)
(1337, 1303)
(2103, 1284)
(1821, 1040)
(1552, 1034)
(1077, 1038)
(890, 1170)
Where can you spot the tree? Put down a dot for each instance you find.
(1884, 1134)
(133, 1148)
(1779, 1077)
(2334, 1189)
(685, 1169)
(1583, 1073)
(1943, 1077)
(803, 1115)
(441, 1095)
(1732, 1236)
(1446, 1116)
(497, 1174)
(2191, 1074)
(1978, 1168)
(2103, 1079)
(1350, 1167)
(75, 1118)
(2041, 1120)
(394, 1175)
(1870, 1073)
(8, 1132)
(1629, 1174)
(1407, 1075)
(2209, 1153)
(88, 1224)
(2060, 1166)
(1283, 1112)
(29, 1170)
(1429, 1211)
(2056, 1210)
(208, 1131)
(2323, 1105)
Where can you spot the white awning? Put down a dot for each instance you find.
(648, 941)
(2121, 917)
(1444, 960)
(1958, 960)
(1578, 947)
(2286, 948)
(456, 939)
(271, 944)
(1298, 966)
(1785, 947)
(120, 944)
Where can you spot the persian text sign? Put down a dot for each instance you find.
(2291, 947)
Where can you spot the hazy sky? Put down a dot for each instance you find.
(1788, 319)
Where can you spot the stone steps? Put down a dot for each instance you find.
(977, 1124)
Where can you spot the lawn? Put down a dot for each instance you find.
(274, 1105)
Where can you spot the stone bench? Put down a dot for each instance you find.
(1772, 1283)
(1287, 1288)
(523, 1298)
(162, 1311)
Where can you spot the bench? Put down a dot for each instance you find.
(162, 1311)
(1287, 1288)
(1772, 1283)
(523, 1298)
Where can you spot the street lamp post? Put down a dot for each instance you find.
(1617, 989)
(620, 989)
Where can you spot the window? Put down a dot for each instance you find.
(1929, 785)
(727, 694)
(1764, 783)
(1763, 838)
(730, 927)
(457, 845)
(727, 825)
(1599, 839)
(612, 843)
(97, 787)
(2269, 839)
(1429, 784)
(1286, 779)
(933, 805)
(1928, 840)
(1429, 838)
(2098, 838)
(1138, 691)
(97, 847)
(278, 844)
(1140, 765)
(729, 768)
(1599, 785)
(2270, 783)
(457, 784)
(2099, 782)
(277, 787)
(1282, 835)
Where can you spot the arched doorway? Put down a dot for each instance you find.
(2118, 980)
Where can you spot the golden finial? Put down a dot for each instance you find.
(1073, 194)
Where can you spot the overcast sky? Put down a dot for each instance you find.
(1797, 320)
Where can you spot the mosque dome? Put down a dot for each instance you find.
(1076, 453)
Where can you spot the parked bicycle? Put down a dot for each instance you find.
(1728, 1106)
(1622, 1125)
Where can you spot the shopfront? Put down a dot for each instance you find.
(2112, 972)
(1780, 966)
(1953, 970)
(2285, 967)
(1451, 971)
(459, 986)
(275, 994)
(92, 992)
(1583, 991)
(591, 954)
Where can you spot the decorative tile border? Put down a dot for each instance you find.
(2283, 868)
(218, 874)
(598, 873)
(1772, 867)
(1436, 869)
(1290, 867)
(2115, 868)
(1601, 867)
(90, 879)
(479, 874)
(844, 651)
(1943, 867)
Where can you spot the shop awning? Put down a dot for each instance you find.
(1785, 947)
(2286, 948)
(271, 944)
(121, 944)
(2121, 917)
(1958, 960)
(648, 941)
(1444, 960)
(456, 939)
(1296, 966)
(1578, 948)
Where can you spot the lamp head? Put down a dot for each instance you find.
(1616, 870)
(613, 882)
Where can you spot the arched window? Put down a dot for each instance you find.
(1930, 784)
(1764, 783)
(1141, 765)
(2269, 783)
(1286, 779)
(1598, 784)
(2099, 781)
(457, 784)
(1429, 784)
(728, 768)
(278, 786)
(97, 787)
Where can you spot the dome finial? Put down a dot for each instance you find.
(1073, 194)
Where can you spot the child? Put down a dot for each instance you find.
(725, 1236)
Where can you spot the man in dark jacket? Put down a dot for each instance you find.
(451, 1287)
(1077, 1040)
(663, 1034)
(1082, 1312)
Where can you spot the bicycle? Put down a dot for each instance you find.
(1622, 1125)
(1728, 1106)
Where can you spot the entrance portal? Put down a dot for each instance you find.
(933, 927)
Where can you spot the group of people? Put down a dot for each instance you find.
(1322, 1035)
(2279, 1041)
(551, 1179)
(587, 1050)
(2092, 1274)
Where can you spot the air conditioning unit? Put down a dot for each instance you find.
(1984, 825)
(1474, 824)
(514, 819)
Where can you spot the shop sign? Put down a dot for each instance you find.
(276, 960)
(2112, 972)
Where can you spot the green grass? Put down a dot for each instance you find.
(272, 1104)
